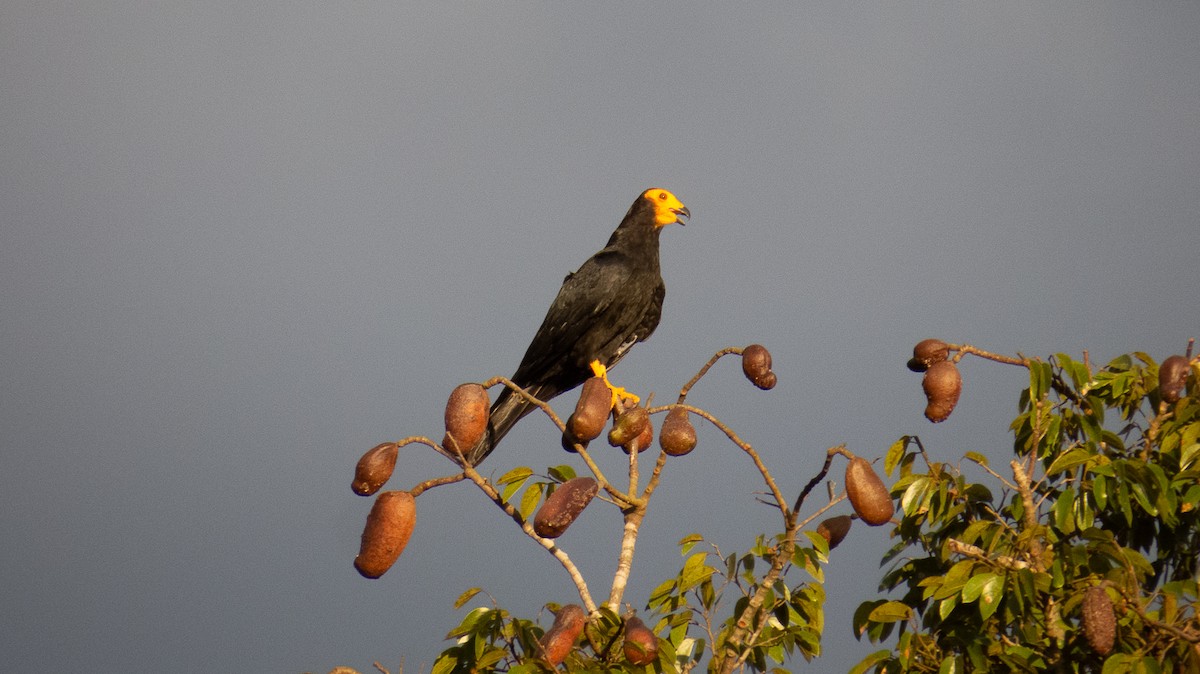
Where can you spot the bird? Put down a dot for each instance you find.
(613, 301)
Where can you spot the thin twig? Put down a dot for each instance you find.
(829, 454)
(437, 482)
(964, 349)
(704, 370)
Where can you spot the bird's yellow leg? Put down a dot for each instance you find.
(618, 394)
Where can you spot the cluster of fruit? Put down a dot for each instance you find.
(942, 382)
(391, 519)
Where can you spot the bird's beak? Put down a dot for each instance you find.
(682, 212)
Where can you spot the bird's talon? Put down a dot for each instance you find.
(620, 397)
(624, 398)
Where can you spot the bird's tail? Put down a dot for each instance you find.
(508, 409)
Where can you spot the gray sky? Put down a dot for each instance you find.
(244, 242)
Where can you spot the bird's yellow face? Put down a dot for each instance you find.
(667, 209)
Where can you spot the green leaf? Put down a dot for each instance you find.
(862, 615)
(1143, 499)
(1075, 370)
(488, 658)
(516, 474)
(695, 571)
(1188, 455)
(870, 661)
(916, 497)
(445, 664)
(894, 454)
(466, 597)
(990, 595)
(1100, 491)
(513, 485)
(951, 665)
(661, 593)
(468, 622)
(1040, 375)
(530, 500)
(890, 611)
(562, 473)
(975, 587)
(1069, 460)
(1064, 519)
(947, 606)
(977, 458)
(688, 542)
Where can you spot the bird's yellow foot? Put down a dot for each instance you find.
(619, 395)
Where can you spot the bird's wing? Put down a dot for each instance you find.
(584, 298)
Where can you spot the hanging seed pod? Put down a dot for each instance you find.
(834, 529)
(558, 641)
(631, 424)
(643, 440)
(375, 468)
(586, 423)
(1099, 622)
(926, 353)
(389, 526)
(641, 644)
(466, 417)
(942, 384)
(867, 493)
(756, 365)
(677, 435)
(564, 506)
(1172, 376)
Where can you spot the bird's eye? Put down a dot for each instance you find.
(662, 196)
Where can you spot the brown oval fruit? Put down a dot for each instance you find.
(466, 417)
(563, 506)
(677, 435)
(643, 440)
(942, 384)
(834, 529)
(558, 641)
(631, 424)
(867, 493)
(586, 423)
(1172, 376)
(1099, 623)
(756, 365)
(389, 526)
(375, 468)
(641, 644)
(926, 353)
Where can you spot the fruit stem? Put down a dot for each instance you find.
(704, 370)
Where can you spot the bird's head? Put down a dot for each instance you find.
(667, 209)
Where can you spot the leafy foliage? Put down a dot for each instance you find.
(989, 570)
(995, 582)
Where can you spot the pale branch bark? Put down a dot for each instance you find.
(633, 521)
(683, 392)
(964, 349)
(978, 553)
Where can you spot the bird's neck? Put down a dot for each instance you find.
(637, 240)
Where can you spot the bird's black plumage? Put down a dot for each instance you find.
(613, 301)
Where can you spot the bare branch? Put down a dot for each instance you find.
(704, 370)
(487, 488)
